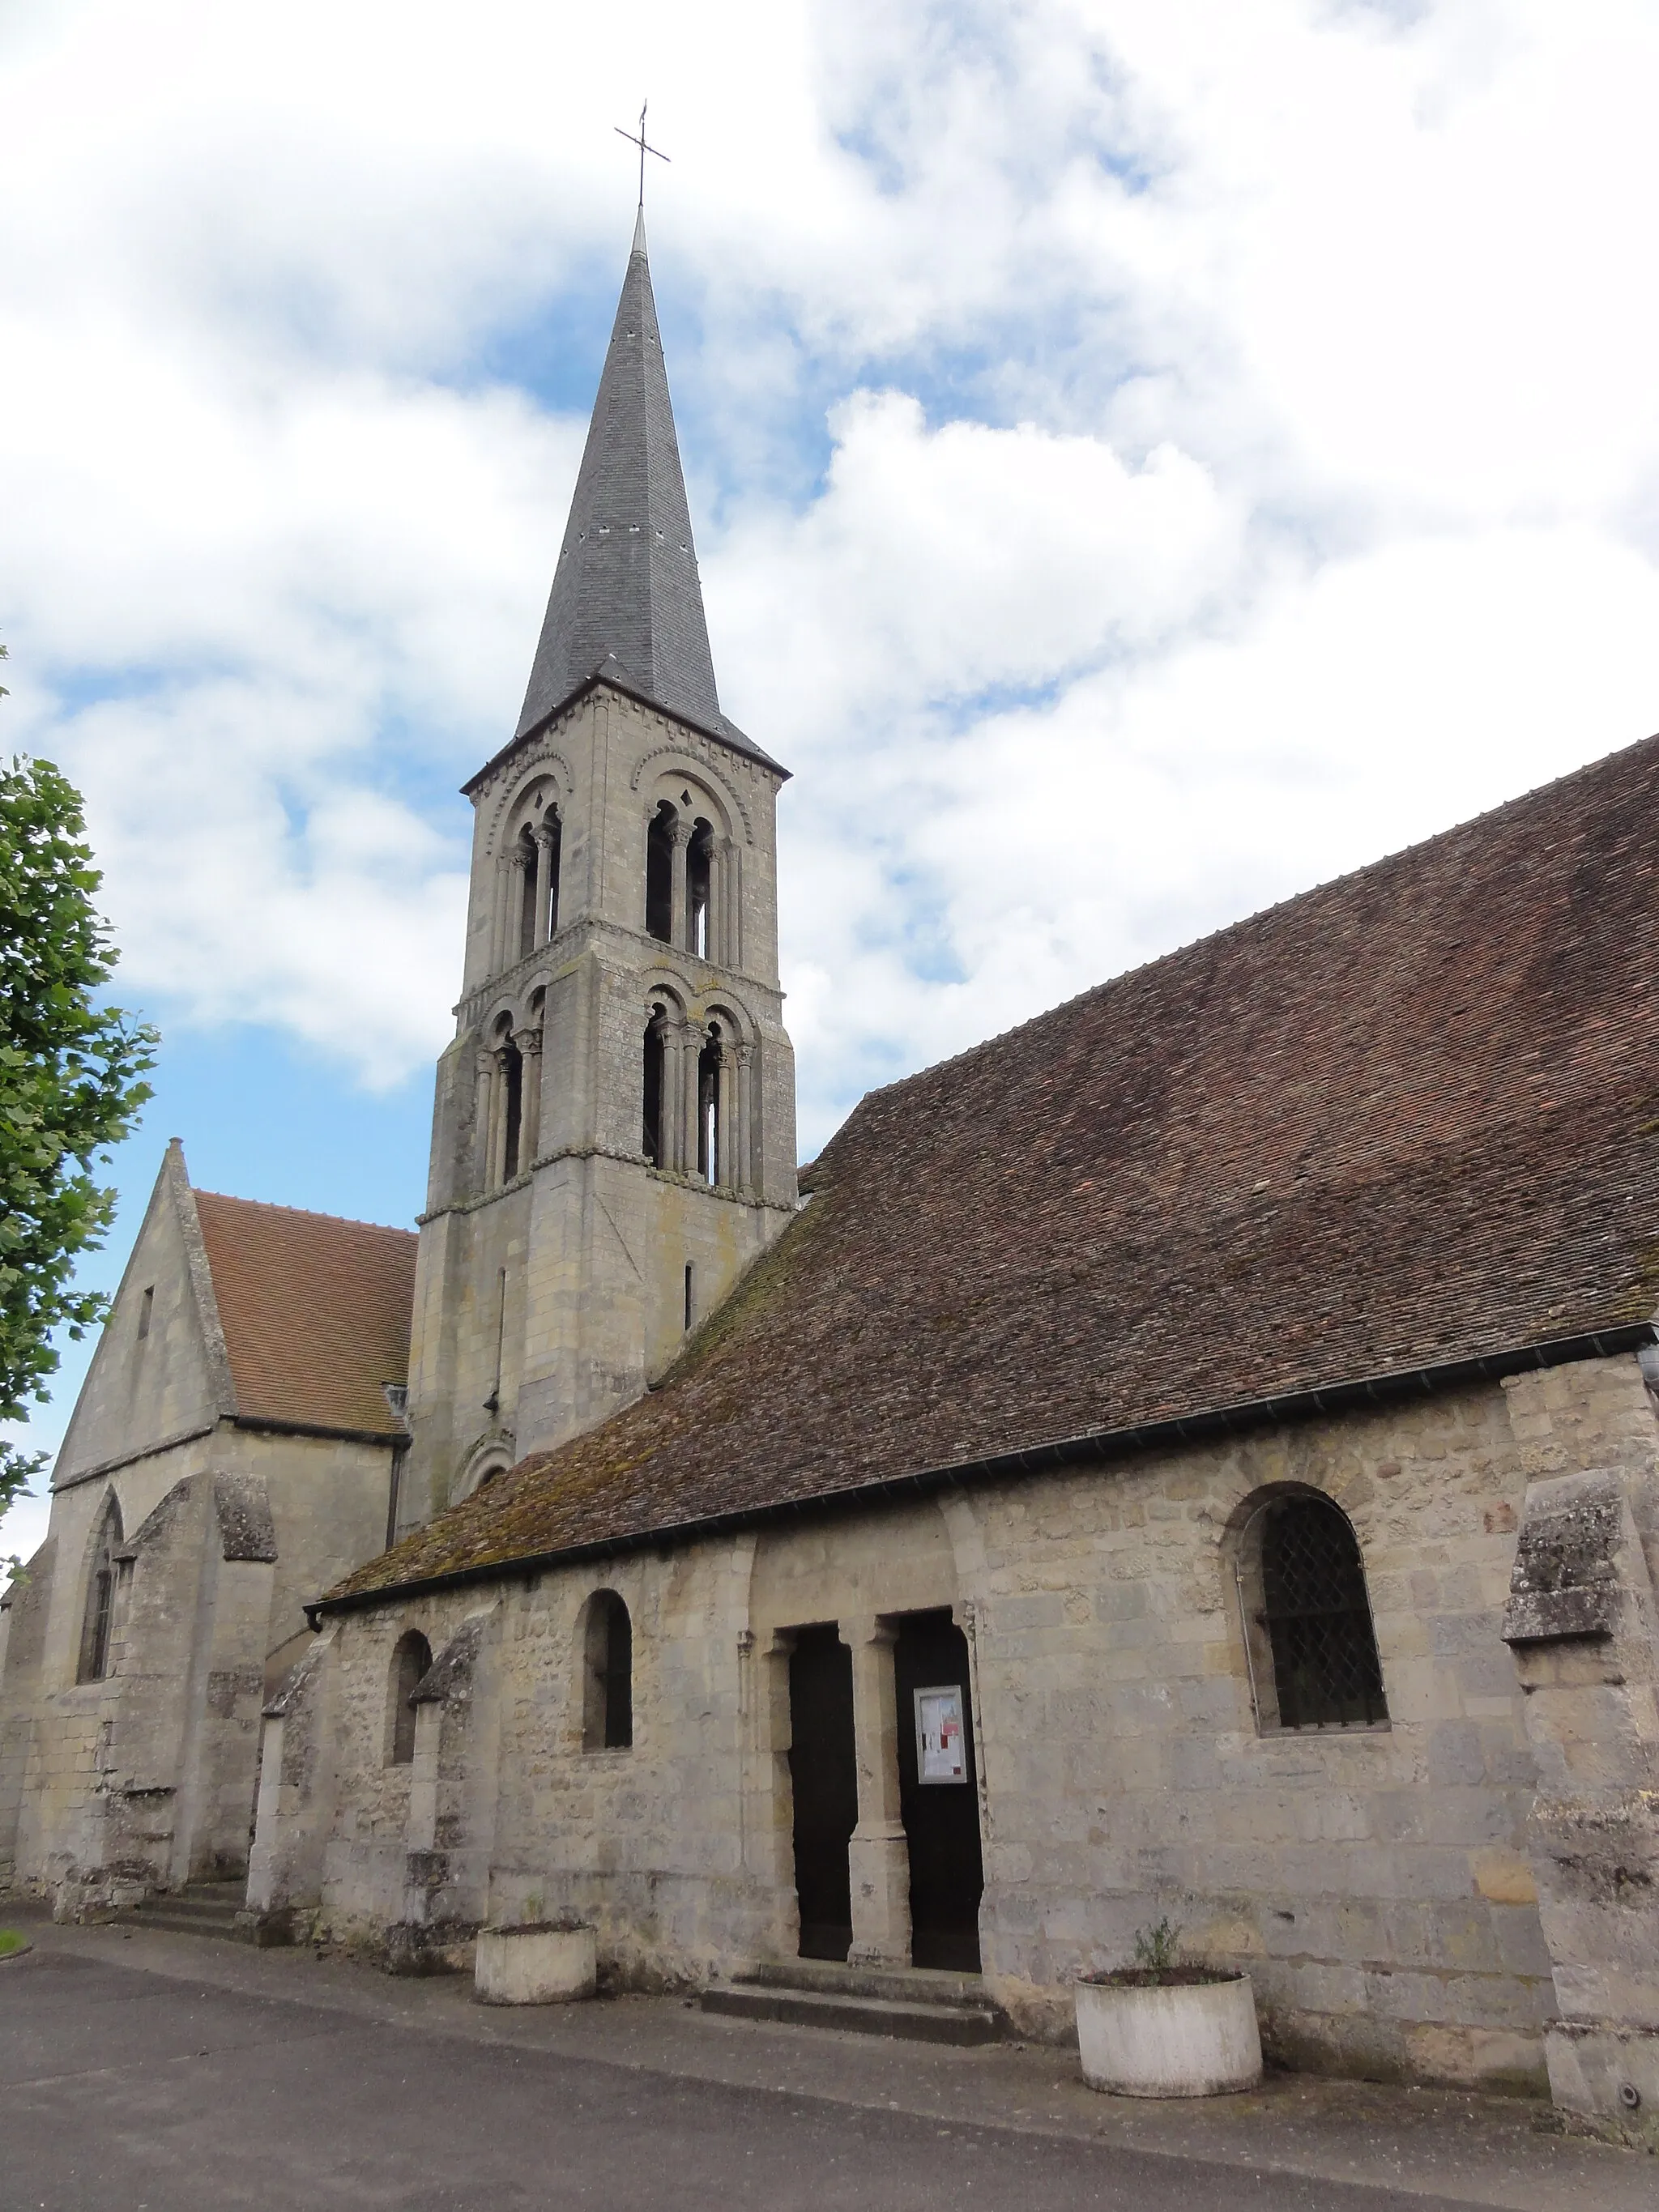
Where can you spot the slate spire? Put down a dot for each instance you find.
(626, 600)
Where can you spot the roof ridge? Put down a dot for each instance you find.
(308, 1214)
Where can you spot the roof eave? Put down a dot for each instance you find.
(589, 683)
(1093, 1448)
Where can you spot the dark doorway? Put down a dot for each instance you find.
(941, 1814)
(823, 1776)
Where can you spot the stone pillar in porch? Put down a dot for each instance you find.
(879, 1855)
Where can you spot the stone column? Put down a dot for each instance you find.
(544, 883)
(879, 1855)
(679, 931)
(742, 1147)
(529, 1043)
(498, 917)
(691, 1048)
(725, 1119)
(518, 869)
(730, 903)
(498, 1120)
(484, 1129)
(1583, 1626)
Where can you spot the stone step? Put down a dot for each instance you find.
(903, 1984)
(174, 1922)
(915, 2007)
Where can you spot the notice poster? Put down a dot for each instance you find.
(941, 1754)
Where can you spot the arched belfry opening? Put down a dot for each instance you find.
(711, 1131)
(511, 1062)
(659, 874)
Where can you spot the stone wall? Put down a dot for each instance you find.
(1376, 1882)
(146, 1778)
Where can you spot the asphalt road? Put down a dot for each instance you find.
(120, 2088)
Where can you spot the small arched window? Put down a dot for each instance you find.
(411, 1662)
(659, 874)
(1311, 1644)
(653, 1130)
(98, 1618)
(607, 1674)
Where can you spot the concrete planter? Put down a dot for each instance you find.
(548, 1964)
(1172, 2038)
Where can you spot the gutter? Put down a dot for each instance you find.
(1100, 1446)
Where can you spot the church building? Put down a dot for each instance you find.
(1194, 1456)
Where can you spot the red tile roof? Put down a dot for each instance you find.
(315, 1312)
(1409, 1119)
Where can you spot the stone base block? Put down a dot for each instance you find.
(1607, 2079)
(546, 1964)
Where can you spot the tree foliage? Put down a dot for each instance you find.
(70, 1083)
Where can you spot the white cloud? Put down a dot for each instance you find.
(1147, 458)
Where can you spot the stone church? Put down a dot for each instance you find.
(1196, 1455)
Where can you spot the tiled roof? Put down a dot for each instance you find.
(1409, 1119)
(315, 1312)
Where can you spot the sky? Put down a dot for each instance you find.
(1147, 457)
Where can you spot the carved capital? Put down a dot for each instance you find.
(683, 831)
(529, 1041)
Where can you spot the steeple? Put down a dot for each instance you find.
(626, 600)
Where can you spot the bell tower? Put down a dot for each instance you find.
(614, 1132)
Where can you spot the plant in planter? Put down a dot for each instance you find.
(1161, 2029)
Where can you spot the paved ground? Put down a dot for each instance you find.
(171, 2074)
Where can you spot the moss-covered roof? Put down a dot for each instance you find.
(1408, 1120)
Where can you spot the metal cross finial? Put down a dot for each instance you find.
(640, 142)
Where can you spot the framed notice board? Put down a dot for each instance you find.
(941, 1755)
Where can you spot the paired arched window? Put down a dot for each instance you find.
(1308, 1635)
(529, 913)
(98, 1615)
(607, 1674)
(411, 1661)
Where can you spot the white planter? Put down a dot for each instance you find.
(542, 1965)
(1180, 2039)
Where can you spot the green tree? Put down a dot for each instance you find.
(70, 1083)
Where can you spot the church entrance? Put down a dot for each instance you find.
(938, 1792)
(824, 1779)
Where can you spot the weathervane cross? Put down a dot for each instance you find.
(639, 141)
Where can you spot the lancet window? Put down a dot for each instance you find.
(411, 1661)
(98, 1618)
(607, 1674)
